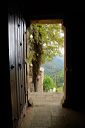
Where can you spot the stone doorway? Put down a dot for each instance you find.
(31, 95)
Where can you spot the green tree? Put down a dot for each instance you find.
(45, 43)
(48, 83)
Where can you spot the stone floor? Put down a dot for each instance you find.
(47, 112)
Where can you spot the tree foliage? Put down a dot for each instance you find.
(49, 37)
(48, 83)
(45, 42)
(52, 68)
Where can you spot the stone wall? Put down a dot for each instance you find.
(40, 80)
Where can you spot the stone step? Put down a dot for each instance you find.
(39, 99)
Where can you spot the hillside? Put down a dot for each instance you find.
(53, 67)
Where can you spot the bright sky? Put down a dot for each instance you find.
(62, 34)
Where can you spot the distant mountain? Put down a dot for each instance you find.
(52, 67)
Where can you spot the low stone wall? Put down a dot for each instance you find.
(40, 80)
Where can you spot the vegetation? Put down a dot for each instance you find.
(60, 78)
(60, 89)
(48, 83)
(45, 43)
(55, 70)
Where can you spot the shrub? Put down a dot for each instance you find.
(48, 83)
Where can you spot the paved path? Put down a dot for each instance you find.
(48, 113)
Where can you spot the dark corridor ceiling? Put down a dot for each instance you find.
(44, 10)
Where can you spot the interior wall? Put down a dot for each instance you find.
(75, 54)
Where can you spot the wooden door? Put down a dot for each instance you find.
(17, 56)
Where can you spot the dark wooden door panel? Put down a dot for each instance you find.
(12, 66)
(17, 57)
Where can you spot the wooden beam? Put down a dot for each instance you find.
(47, 21)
